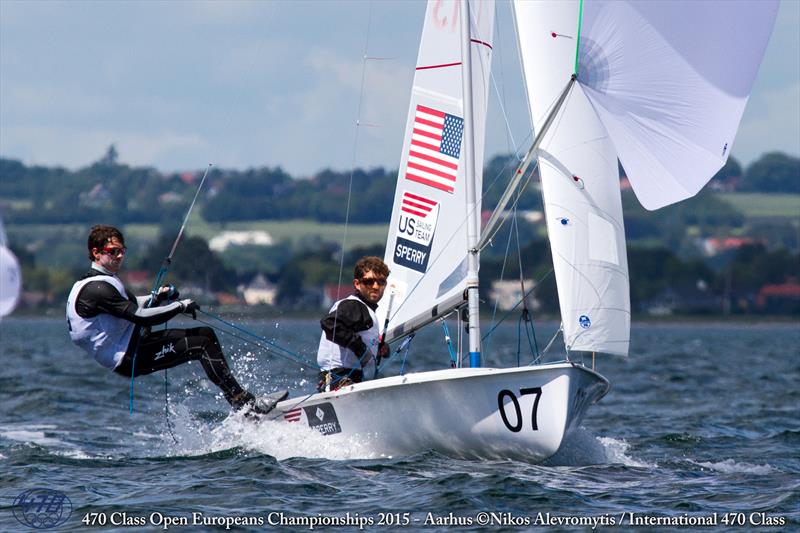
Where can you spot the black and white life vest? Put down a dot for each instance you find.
(105, 337)
(331, 355)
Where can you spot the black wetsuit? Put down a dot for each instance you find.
(159, 350)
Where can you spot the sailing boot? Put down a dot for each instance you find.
(256, 407)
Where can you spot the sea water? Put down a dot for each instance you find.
(701, 429)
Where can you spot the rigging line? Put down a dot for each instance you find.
(447, 243)
(501, 99)
(449, 342)
(168, 260)
(273, 347)
(295, 358)
(406, 342)
(518, 48)
(549, 344)
(455, 232)
(466, 218)
(257, 344)
(526, 314)
(162, 272)
(508, 313)
(532, 152)
(352, 166)
(520, 186)
(497, 300)
(529, 328)
(518, 195)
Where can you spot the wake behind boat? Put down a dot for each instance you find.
(638, 80)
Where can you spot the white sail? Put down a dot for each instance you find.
(580, 183)
(670, 81)
(427, 245)
(10, 276)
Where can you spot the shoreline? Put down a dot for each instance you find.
(263, 313)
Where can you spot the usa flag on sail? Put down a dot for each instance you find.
(435, 148)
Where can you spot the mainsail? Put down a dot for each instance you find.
(426, 249)
(580, 185)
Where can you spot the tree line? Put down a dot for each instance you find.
(108, 188)
(663, 257)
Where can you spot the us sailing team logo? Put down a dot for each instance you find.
(415, 229)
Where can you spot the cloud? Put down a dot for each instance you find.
(241, 83)
(771, 123)
(75, 148)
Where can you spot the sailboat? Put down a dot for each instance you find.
(661, 85)
(10, 276)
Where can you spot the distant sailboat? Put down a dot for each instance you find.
(661, 84)
(10, 276)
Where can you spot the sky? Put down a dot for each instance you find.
(241, 84)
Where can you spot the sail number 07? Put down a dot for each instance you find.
(517, 426)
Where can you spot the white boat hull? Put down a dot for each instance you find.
(467, 412)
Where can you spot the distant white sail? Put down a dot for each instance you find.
(580, 183)
(426, 248)
(670, 80)
(10, 276)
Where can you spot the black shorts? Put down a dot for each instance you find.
(162, 349)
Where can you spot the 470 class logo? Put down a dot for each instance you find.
(42, 508)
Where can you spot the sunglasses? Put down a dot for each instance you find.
(113, 251)
(369, 282)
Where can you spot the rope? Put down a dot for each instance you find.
(447, 243)
(364, 59)
(526, 315)
(166, 408)
(497, 300)
(405, 347)
(271, 347)
(453, 357)
(162, 272)
(488, 333)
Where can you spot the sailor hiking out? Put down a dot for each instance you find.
(112, 325)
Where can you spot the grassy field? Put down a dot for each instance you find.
(294, 231)
(64, 244)
(764, 205)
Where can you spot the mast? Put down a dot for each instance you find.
(473, 214)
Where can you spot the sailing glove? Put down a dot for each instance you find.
(169, 295)
(189, 307)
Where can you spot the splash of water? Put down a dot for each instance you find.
(616, 452)
(729, 466)
(278, 439)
